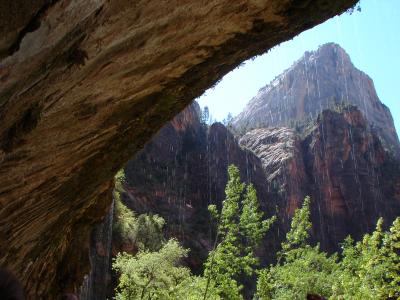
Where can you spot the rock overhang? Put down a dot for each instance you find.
(87, 87)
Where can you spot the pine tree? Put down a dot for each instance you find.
(300, 228)
(301, 269)
(368, 269)
(240, 230)
(144, 231)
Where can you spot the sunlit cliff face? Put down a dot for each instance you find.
(84, 85)
(336, 155)
(321, 79)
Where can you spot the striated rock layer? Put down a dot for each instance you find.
(281, 155)
(340, 162)
(183, 170)
(339, 156)
(352, 177)
(338, 144)
(321, 79)
(84, 84)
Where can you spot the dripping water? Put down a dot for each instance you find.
(96, 283)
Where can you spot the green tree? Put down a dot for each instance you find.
(300, 228)
(370, 268)
(301, 269)
(240, 230)
(149, 232)
(193, 287)
(144, 231)
(125, 222)
(151, 275)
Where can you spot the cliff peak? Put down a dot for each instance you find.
(322, 79)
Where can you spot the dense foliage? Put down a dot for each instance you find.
(368, 269)
(144, 231)
(151, 275)
(240, 230)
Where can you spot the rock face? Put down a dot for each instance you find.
(96, 284)
(84, 84)
(280, 151)
(341, 164)
(306, 89)
(352, 178)
(339, 148)
(336, 156)
(183, 170)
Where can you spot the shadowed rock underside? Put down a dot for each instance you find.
(84, 84)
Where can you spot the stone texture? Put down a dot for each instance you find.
(340, 150)
(339, 161)
(304, 90)
(352, 178)
(97, 283)
(183, 170)
(341, 164)
(281, 154)
(84, 84)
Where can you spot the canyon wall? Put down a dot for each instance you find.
(340, 162)
(321, 79)
(337, 155)
(84, 85)
(183, 170)
(323, 131)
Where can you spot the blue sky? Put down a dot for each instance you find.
(371, 38)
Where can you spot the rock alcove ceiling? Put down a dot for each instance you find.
(84, 84)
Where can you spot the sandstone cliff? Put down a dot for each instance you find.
(341, 164)
(83, 86)
(321, 79)
(336, 156)
(183, 170)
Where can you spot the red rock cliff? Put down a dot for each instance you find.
(183, 170)
(84, 84)
(321, 79)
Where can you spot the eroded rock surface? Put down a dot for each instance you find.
(84, 84)
(307, 88)
(339, 161)
(341, 164)
(338, 156)
(183, 170)
(343, 134)
(281, 154)
(352, 177)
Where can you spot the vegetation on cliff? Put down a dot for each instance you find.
(367, 269)
(240, 229)
(144, 231)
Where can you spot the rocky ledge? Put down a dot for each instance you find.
(84, 84)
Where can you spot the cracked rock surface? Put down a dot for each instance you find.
(84, 84)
